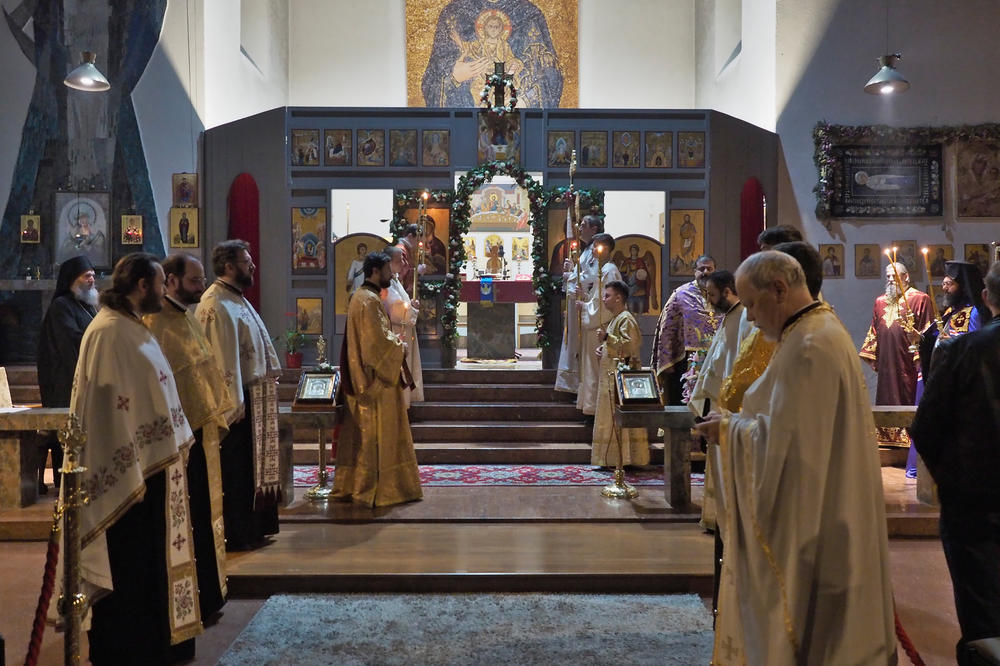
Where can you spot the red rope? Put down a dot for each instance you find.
(907, 644)
(44, 597)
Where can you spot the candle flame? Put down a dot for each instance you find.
(425, 195)
(924, 250)
(888, 252)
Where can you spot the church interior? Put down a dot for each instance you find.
(322, 130)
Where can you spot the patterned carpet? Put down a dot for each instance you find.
(480, 629)
(513, 475)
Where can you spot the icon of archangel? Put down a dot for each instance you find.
(471, 35)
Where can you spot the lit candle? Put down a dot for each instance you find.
(930, 287)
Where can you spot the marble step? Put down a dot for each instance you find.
(500, 431)
(488, 376)
(496, 393)
(467, 412)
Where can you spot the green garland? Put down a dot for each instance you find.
(409, 199)
(826, 136)
(544, 284)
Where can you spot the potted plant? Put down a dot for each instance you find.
(293, 340)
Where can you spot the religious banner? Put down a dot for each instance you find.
(348, 265)
(638, 260)
(977, 179)
(451, 46)
(887, 181)
(309, 241)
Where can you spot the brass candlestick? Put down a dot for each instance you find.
(619, 488)
(73, 602)
(320, 492)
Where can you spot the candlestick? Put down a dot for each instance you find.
(930, 291)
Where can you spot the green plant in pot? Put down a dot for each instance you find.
(293, 339)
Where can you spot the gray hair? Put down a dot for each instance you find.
(901, 268)
(763, 268)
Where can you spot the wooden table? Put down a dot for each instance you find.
(677, 421)
(21, 433)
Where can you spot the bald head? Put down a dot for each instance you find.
(773, 287)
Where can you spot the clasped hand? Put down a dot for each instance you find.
(708, 428)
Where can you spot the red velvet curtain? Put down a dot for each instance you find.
(751, 216)
(244, 223)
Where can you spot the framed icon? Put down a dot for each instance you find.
(625, 148)
(560, 147)
(691, 150)
(83, 227)
(637, 387)
(867, 260)
(184, 231)
(371, 147)
(436, 147)
(832, 257)
(318, 388)
(659, 150)
(31, 229)
(309, 315)
(594, 149)
(305, 147)
(131, 229)
(403, 148)
(185, 189)
(337, 147)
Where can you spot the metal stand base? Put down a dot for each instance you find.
(619, 489)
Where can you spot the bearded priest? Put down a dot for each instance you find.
(251, 480)
(805, 576)
(205, 399)
(137, 564)
(376, 463)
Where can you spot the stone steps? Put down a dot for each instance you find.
(493, 411)
(496, 393)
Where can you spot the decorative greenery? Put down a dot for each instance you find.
(409, 199)
(826, 136)
(293, 340)
(543, 283)
(492, 81)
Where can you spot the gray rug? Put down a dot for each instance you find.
(348, 629)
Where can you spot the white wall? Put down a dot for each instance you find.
(347, 53)
(169, 103)
(744, 87)
(633, 53)
(828, 49)
(234, 86)
(637, 54)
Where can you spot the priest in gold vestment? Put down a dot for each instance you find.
(206, 404)
(620, 339)
(805, 577)
(376, 463)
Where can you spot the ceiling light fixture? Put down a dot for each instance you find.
(887, 80)
(87, 77)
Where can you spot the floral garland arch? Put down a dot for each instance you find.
(543, 282)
